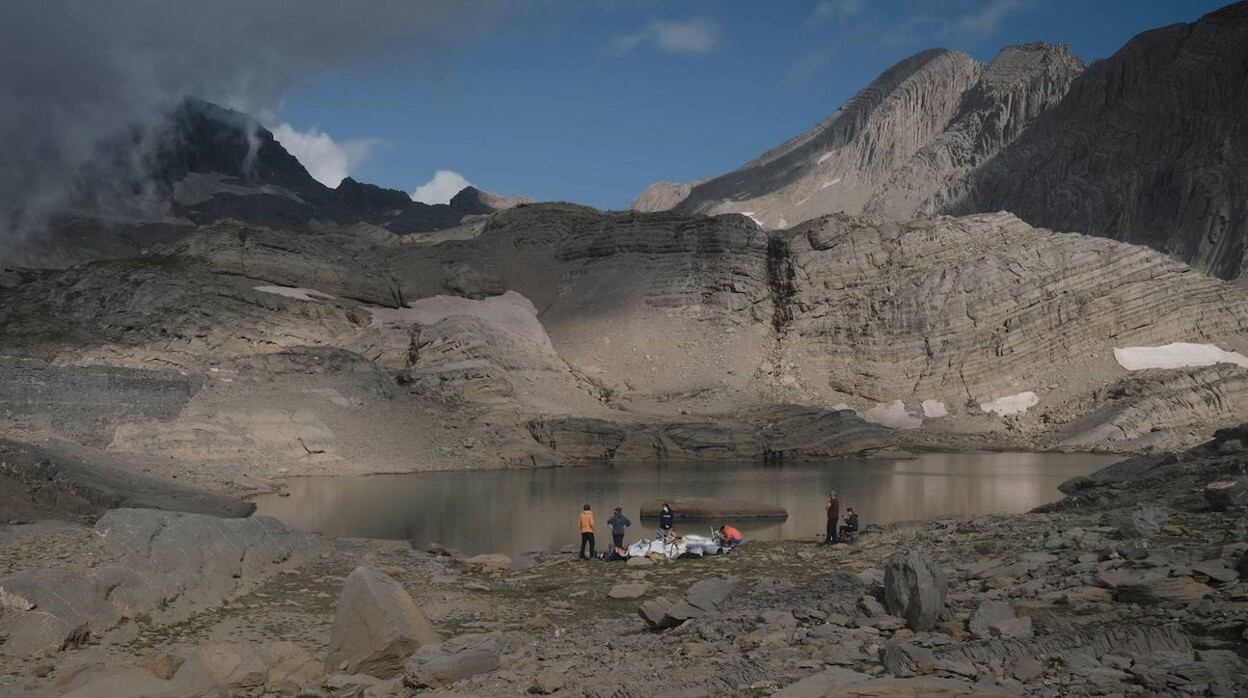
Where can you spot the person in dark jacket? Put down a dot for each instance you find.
(665, 521)
(834, 517)
(618, 522)
(851, 524)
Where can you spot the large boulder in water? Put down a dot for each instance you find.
(377, 626)
(914, 589)
(712, 508)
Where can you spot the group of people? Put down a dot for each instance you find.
(847, 529)
(619, 524)
(837, 532)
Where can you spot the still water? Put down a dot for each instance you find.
(515, 511)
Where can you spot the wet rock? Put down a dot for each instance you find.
(376, 627)
(1227, 494)
(489, 563)
(629, 591)
(915, 589)
(441, 664)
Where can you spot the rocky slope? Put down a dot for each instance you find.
(556, 333)
(1134, 584)
(1147, 146)
(898, 148)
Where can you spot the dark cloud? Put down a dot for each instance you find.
(77, 72)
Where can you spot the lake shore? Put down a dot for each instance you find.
(1131, 585)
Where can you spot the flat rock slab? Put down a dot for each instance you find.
(713, 508)
(629, 591)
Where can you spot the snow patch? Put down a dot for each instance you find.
(1176, 355)
(934, 409)
(829, 183)
(894, 415)
(302, 294)
(1011, 404)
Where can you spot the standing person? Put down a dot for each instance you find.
(587, 532)
(618, 522)
(665, 521)
(834, 517)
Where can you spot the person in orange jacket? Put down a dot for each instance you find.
(730, 535)
(587, 532)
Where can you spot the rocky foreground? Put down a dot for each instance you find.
(1134, 584)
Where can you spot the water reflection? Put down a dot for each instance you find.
(512, 511)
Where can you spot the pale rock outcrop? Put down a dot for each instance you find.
(376, 627)
(168, 565)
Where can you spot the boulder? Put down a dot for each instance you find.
(1143, 521)
(702, 597)
(905, 659)
(988, 614)
(914, 589)
(654, 612)
(490, 563)
(377, 626)
(1222, 495)
(712, 508)
(708, 594)
(441, 664)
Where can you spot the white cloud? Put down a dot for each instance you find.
(827, 10)
(326, 160)
(695, 35)
(441, 188)
(983, 22)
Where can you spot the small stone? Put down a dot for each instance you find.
(547, 681)
(1026, 668)
(629, 591)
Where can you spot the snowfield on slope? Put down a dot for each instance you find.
(1176, 355)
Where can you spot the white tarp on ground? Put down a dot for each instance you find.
(1011, 404)
(1176, 355)
(675, 547)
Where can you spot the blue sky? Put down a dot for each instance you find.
(591, 101)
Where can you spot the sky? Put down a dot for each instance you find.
(592, 102)
(575, 100)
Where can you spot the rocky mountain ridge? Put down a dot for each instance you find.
(1146, 146)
